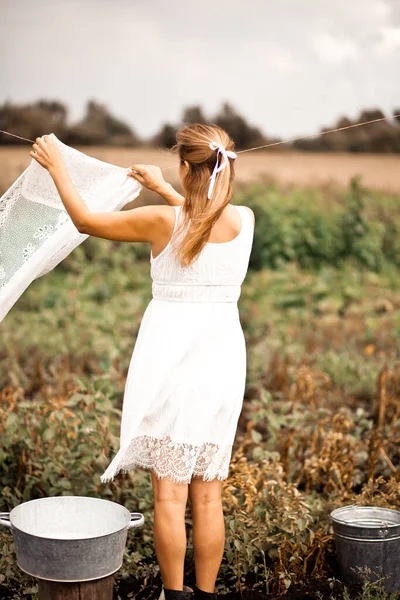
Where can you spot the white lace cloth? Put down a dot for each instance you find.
(36, 232)
(186, 378)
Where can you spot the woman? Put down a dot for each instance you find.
(186, 379)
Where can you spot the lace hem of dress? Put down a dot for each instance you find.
(177, 461)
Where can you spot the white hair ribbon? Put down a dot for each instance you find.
(226, 154)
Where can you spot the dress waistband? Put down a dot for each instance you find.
(195, 292)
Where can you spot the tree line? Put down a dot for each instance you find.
(99, 127)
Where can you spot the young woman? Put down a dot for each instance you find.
(186, 378)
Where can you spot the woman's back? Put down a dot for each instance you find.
(215, 275)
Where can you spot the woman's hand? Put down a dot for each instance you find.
(46, 153)
(148, 175)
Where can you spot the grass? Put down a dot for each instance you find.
(320, 426)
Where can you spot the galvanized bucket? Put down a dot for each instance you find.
(70, 538)
(368, 536)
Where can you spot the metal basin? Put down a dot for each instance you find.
(70, 538)
(368, 536)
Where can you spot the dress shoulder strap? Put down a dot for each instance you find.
(247, 222)
(177, 215)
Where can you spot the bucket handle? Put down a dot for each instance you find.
(137, 520)
(5, 519)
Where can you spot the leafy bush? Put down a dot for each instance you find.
(312, 233)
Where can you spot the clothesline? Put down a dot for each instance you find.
(270, 145)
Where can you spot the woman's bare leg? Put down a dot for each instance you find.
(170, 530)
(208, 530)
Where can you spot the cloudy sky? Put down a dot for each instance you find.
(289, 67)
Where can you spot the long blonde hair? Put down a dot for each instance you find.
(198, 212)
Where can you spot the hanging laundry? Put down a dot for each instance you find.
(36, 232)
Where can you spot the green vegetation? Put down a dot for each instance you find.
(320, 426)
(313, 228)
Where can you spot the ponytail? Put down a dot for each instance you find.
(204, 175)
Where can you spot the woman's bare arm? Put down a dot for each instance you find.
(169, 194)
(151, 177)
(142, 224)
(74, 205)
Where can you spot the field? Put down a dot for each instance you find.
(377, 171)
(320, 425)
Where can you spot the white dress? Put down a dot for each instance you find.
(186, 378)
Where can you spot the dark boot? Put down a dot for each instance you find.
(185, 594)
(202, 595)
